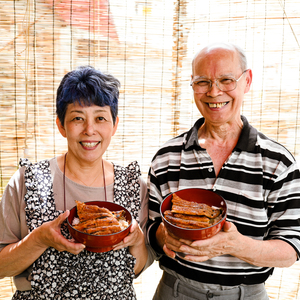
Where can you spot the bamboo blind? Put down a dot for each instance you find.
(148, 45)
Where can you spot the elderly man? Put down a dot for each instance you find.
(258, 178)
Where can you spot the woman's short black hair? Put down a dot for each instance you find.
(87, 86)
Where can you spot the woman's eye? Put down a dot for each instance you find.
(77, 119)
(101, 118)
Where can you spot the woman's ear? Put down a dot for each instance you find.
(60, 127)
(116, 125)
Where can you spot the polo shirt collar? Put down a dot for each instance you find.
(246, 141)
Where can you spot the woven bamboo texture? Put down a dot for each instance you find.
(148, 46)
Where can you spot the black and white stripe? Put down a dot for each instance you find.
(260, 182)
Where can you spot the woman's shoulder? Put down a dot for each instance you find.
(131, 172)
(25, 162)
(17, 179)
(29, 170)
(132, 167)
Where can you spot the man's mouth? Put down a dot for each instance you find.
(217, 105)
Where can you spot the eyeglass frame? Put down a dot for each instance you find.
(217, 80)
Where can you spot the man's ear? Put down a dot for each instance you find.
(60, 127)
(248, 80)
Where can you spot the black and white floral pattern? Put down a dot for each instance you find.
(88, 275)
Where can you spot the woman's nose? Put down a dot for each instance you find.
(89, 128)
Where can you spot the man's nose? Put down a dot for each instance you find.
(214, 90)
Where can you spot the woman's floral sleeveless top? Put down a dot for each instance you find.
(88, 275)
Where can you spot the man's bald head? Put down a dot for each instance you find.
(226, 47)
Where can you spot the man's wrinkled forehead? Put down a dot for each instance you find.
(216, 51)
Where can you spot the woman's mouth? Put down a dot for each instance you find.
(217, 105)
(89, 144)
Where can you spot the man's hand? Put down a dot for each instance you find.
(262, 253)
(220, 244)
(168, 242)
(200, 250)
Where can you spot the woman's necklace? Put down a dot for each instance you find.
(64, 180)
(89, 185)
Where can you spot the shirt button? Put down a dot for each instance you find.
(210, 170)
(210, 295)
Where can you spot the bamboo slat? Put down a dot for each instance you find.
(148, 46)
(7, 288)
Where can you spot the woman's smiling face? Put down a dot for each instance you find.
(88, 130)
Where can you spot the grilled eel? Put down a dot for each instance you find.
(193, 208)
(192, 215)
(103, 230)
(99, 220)
(190, 221)
(85, 212)
(186, 221)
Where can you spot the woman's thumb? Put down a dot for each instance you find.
(62, 217)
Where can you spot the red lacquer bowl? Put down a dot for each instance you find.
(195, 195)
(99, 243)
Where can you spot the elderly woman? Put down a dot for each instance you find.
(36, 248)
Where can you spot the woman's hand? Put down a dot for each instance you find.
(136, 242)
(134, 238)
(49, 235)
(17, 257)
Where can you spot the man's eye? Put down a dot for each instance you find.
(202, 82)
(100, 118)
(226, 80)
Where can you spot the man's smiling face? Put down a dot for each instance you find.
(216, 106)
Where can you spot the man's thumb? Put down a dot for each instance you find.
(226, 226)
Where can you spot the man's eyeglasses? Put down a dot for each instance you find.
(225, 84)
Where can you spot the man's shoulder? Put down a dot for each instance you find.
(273, 150)
(267, 143)
(175, 141)
(174, 144)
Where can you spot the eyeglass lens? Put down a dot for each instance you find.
(224, 84)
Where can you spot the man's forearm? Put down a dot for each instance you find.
(270, 253)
